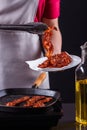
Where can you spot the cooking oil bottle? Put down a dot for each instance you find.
(81, 88)
(80, 126)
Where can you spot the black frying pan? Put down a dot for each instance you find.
(7, 95)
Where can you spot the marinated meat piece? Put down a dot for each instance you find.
(42, 102)
(32, 100)
(45, 64)
(57, 61)
(17, 101)
(47, 44)
(60, 60)
(39, 104)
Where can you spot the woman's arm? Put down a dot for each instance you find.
(56, 38)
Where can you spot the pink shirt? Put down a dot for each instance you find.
(48, 9)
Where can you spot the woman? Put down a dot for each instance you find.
(16, 47)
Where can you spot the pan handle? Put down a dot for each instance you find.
(39, 80)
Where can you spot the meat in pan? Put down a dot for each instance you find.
(28, 101)
(17, 101)
(33, 100)
(41, 103)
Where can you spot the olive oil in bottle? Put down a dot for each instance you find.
(81, 88)
(81, 101)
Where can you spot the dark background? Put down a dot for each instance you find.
(73, 26)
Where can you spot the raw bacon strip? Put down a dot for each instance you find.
(57, 61)
(32, 100)
(47, 44)
(41, 102)
(17, 101)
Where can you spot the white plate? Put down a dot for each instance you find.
(34, 64)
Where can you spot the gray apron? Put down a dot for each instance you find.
(16, 46)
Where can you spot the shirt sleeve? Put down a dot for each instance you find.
(52, 9)
(47, 8)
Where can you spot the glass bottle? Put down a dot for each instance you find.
(80, 126)
(81, 88)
